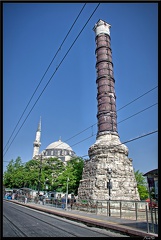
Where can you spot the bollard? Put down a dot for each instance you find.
(155, 220)
(155, 216)
(152, 220)
(146, 209)
(96, 207)
(136, 210)
(120, 209)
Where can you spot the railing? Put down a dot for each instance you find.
(134, 210)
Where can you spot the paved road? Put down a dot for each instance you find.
(20, 221)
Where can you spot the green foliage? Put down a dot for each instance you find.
(51, 172)
(152, 193)
(142, 185)
(54, 173)
(14, 176)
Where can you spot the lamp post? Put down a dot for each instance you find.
(40, 171)
(45, 185)
(109, 186)
(67, 195)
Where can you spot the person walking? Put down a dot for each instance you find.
(71, 203)
(63, 202)
(44, 201)
(25, 199)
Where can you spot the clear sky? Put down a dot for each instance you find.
(33, 33)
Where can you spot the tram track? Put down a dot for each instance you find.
(13, 226)
(56, 225)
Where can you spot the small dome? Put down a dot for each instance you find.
(59, 145)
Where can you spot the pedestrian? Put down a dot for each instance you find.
(71, 203)
(25, 200)
(44, 200)
(63, 202)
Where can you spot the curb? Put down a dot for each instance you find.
(92, 222)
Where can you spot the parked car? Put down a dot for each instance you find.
(9, 197)
(152, 203)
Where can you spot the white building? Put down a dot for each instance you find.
(58, 149)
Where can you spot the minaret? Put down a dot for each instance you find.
(37, 142)
(107, 153)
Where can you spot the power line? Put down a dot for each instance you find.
(137, 98)
(95, 124)
(95, 133)
(117, 111)
(45, 73)
(138, 112)
(52, 76)
(131, 140)
(112, 146)
(118, 123)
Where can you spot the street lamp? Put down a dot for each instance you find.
(43, 152)
(109, 186)
(45, 185)
(67, 195)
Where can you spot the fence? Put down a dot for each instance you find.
(134, 210)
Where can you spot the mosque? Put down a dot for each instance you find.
(58, 149)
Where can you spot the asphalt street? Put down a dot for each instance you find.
(21, 221)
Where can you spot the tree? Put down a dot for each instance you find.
(142, 185)
(14, 175)
(8, 174)
(52, 172)
(51, 169)
(31, 174)
(73, 172)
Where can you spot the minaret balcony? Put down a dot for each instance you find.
(37, 144)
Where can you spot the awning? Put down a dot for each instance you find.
(153, 172)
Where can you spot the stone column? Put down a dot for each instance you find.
(107, 151)
(106, 98)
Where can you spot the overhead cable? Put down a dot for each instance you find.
(45, 73)
(131, 140)
(95, 133)
(127, 141)
(118, 110)
(137, 98)
(51, 77)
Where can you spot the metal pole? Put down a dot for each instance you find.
(136, 210)
(120, 209)
(155, 216)
(67, 194)
(109, 198)
(147, 219)
(39, 175)
(152, 220)
(96, 207)
(109, 187)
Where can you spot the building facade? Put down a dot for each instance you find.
(58, 149)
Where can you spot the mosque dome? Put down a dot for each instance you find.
(59, 149)
(59, 145)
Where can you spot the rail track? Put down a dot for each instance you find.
(58, 225)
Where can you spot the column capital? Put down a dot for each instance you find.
(102, 27)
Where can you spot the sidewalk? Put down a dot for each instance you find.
(126, 226)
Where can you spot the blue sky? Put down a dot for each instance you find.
(32, 34)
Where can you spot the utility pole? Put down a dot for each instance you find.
(109, 187)
(40, 172)
(67, 195)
